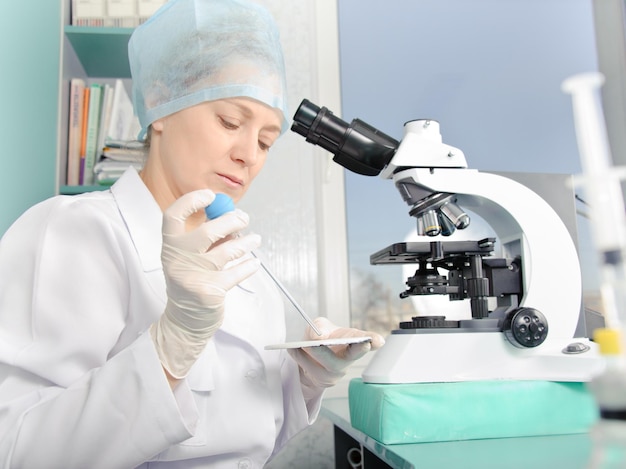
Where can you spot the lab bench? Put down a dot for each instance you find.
(355, 450)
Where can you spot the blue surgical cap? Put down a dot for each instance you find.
(191, 51)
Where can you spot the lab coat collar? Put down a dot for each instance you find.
(143, 217)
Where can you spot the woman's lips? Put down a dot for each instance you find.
(231, 180)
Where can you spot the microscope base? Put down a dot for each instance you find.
(474, 356)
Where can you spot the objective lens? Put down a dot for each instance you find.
(447, 227)
(456, 215)
(420, 226)
(431, 223)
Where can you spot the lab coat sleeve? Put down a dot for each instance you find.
(65, 399)
(299, 412)
(114, 417)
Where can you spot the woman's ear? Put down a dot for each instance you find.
(157, 125)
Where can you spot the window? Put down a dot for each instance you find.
(491, 74)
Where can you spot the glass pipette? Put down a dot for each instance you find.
(223, 204)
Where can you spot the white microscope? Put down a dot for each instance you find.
(523, 285)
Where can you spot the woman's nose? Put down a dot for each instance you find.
(246, 151)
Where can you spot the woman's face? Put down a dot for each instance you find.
(220, 145)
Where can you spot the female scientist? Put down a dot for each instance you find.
(132, 330)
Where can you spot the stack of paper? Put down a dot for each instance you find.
(117, 156)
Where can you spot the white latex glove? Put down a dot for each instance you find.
(199, 270)
(322, 367)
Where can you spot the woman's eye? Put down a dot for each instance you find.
(264, 146)
(229, 124)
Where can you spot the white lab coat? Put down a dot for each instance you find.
(80, 382)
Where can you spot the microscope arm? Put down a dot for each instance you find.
(526, 225)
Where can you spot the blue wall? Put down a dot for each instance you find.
(29, 91)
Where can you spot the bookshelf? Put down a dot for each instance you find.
(96, 54)
(73, 190)
(101, 51)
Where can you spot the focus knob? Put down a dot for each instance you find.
(525, 327)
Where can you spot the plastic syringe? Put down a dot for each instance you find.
(601, 181)
(223, 204)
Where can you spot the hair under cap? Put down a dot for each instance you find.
(191, 51)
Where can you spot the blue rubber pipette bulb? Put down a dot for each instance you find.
(219, 206)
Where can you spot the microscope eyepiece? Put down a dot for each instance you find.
(357, 146)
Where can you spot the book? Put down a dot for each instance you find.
(117, 146)
(108, 171)
(105, 116)
(83, 136)
(146, 8)
(124, 154)
(75, 130)
(124, 144)
(117, 157)
(123, 125)
(93, 119)
(88, 12)
(121, 13)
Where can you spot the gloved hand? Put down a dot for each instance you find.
(200, 266)
(321, 367)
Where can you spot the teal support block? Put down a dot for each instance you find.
(436, 412)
